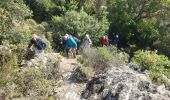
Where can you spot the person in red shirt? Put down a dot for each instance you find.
(104, 41)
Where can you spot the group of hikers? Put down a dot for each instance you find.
(71, 43)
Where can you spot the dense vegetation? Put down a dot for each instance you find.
(140, 24)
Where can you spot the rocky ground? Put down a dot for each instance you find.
(66, 87)
(121, 82)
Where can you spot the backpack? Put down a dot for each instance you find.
(76, 39)
(42, 43)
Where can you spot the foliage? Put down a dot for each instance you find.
(31, 80)
(104, 54)
(89, 7)
(163, 45)
(20, 36)
(101, 58)
(79, 23)
(139, 24)
(43, 10)
(97, 58)
(137, 21)
(151, 60)
(11, 11)
(157, 65)
(148, 32)
(119, 57)
(66, 5)
(92, 7)
(159, 78)
(7, 67)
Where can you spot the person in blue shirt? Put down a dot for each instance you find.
(70, 45)
(38, 43)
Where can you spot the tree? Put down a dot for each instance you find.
(43, 10)
(138, 22)
(11, 12)
(163, 45)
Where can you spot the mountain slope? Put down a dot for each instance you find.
(119, 82)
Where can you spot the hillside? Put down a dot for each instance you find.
(121, 50)
(120, 82)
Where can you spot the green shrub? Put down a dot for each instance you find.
(101, 58)
(119, 57)
(163, 45)
(159, 78)
(151, 60)
(136, 29)
(7, 67)
(98, 58)
(11, 13)
(104, 54)
(32, 81)
(158, 65)
(19, 37)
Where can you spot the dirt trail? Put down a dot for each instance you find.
(66, 89)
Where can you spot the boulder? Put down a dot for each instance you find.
(4, 49)
(124, 83)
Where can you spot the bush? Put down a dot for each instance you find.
(163, 45)
(20, 36)
(151, 60)
(132, 28)
(159, 78)
(119, 57)
(98, 58)
(7, 67)
(158, 65)
(102, 57)
(32, 81)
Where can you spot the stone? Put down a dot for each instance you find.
(124, 83)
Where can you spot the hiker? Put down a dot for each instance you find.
(77, 41)
(86, 43)
(75, 38)
(104, 41)
(116, 40)
(38, 43)
(70, 46)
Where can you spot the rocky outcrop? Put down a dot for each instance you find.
(47, 61)
(123, 83)
(119, 82)
(4, 49)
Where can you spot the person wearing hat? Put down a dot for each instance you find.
(70, 45)
(38, 43)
